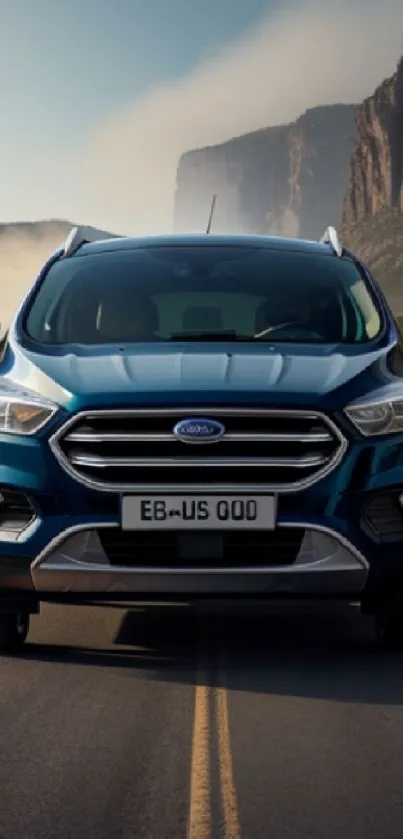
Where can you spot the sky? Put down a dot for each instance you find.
(99, 98)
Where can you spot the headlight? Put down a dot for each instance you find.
(379, 418)
(23, 413)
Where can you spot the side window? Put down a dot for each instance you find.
(369, 314)
(40, 317)
(44, 314)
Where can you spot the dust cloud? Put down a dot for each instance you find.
(309, 53)
(23, 249)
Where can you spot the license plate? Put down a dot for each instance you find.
(199, 512)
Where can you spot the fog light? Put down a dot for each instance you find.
(384, 515)
(16, 514)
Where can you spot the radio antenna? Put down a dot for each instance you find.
(211, 213)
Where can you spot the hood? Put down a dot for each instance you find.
(199, 375)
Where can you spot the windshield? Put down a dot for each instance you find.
(189, 293)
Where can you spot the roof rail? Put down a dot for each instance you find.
(330, 237)
(84, 236)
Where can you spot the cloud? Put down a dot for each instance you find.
(300, 57)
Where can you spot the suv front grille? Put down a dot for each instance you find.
(261, 449)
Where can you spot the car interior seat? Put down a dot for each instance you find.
(203, 317)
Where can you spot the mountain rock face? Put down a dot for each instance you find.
(378, 240)
(373, 207)
(288, 180)
(376, 169)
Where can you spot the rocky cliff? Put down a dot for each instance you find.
(373, 207)
(287, 180)
(376, 169)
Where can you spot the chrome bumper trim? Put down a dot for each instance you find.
(338, 567)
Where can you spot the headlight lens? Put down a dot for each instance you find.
(380, 418)
(24, 413)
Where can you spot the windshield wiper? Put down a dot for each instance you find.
(209, 335)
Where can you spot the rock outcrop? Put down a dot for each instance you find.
(287, 180)
(376, 169)
(373, 207)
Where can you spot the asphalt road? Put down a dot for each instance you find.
(167, 722)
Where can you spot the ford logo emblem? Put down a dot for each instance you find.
(199, 430)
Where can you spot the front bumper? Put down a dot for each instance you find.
(59, 554)
(77, 563)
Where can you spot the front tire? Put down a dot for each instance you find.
(13, 631)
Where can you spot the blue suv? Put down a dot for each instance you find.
(201, 416)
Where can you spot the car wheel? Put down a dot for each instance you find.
(13, 631)
(389, 631)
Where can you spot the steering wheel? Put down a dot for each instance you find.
(293, 330)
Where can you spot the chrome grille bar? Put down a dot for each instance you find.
(303, 462)
(152, 437)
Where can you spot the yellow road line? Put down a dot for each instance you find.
(228, 792)
(200, 825)
(200, 810)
